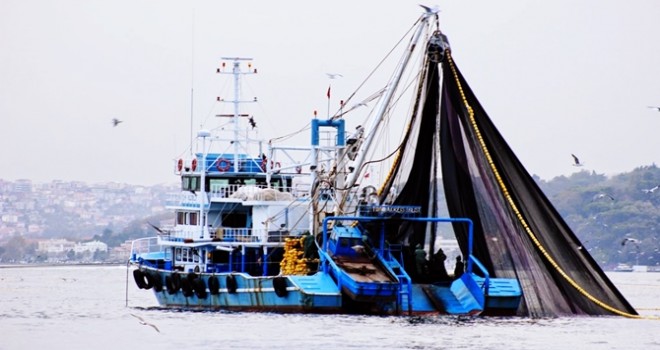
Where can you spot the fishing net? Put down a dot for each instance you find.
(517, 232)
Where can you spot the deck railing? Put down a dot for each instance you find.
(145, 245)
(218, 193)
(143, 248)
(230, 234)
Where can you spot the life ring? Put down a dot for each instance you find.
(199, 287)
(231, 284)
(173, 283)
(157, 281)
(274, 165)
(222, 165)
(193, 166)
(279, 284)
(214, 285)
(179, 164)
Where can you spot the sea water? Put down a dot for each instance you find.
(90, 307)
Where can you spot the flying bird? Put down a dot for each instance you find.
(576, 161)
(601, 196)
(435, 9)
(143, 322)
(631, 240)
(334, 75)
(116, 121)
(655, 107)
(650, 190)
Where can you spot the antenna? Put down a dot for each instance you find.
(192, 80)
(237, 72)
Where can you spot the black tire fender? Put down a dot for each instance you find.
(280, 284)
(138, 276)
(173, 283)
(148, 279)
(157, 280)
(200, 288)
(187, 288)
(231, 284)
(214, 285)
(192, 276)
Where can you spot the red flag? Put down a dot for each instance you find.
(328, 91)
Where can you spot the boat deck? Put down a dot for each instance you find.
(363, 269)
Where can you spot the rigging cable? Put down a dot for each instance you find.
(338, 114)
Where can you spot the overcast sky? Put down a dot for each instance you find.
(556, 77)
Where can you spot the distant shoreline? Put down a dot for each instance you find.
(6, 266)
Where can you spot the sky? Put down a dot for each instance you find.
(556, 77)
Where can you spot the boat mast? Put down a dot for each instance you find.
(382, 108)
(236, 72)
(205, 136)
(203, 216)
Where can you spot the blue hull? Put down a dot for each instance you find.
(316, 293)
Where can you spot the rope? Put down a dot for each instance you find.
(128, 263)
(398, 152)
(514, 208)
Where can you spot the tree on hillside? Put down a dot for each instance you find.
(15, 249)
(603, 211)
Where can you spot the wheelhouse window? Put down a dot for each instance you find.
(177, 254)
(234, 220)
(251, 182)
(190, 183)
(218, 185)
(187, 218)
(277, 184)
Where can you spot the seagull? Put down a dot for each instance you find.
(334, 75)
(435, 9)
(601, 196)
(116, 121)
(143, 322)
(651, 190)
(576, 161)
(632, 240)
(655, 107)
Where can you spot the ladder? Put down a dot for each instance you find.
(404, 295)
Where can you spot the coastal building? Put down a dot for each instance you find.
(90, 247)
(55, 246)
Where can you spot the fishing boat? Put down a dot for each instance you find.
(623, 268)
(653, 269)
(309, 229)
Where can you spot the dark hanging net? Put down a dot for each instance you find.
(505, 226)
(517, 232)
